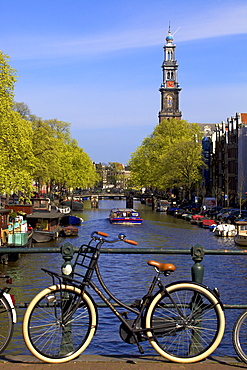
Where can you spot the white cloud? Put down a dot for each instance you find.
(194, 25)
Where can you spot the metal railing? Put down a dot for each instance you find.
(197, 253)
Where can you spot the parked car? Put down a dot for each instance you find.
(192, 208)
(212, 212)
(234, 216)
(223, 213)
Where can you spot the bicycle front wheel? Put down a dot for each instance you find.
(59, 323)
(239, 336)
(187, 324)
(6, 323)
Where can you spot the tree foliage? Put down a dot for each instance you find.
(33, 149)
(171, 156)
(15, 137)
(59, 158)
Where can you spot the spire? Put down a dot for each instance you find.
(169, 37)
(170, 87)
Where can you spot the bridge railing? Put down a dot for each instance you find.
(197, 252)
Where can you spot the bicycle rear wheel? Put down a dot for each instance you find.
(189, 325)
(239, 336)
(6, 323)
(59, 323)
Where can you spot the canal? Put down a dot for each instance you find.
(129, 275)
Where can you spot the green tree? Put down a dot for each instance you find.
(15, 137)
(36, 149)
(184, 166)
(23, 110)
(162, 159)
(59, 159)
(45, 152)
(7, 83)
(77, 169)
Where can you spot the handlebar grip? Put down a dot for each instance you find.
(130, 242)
(101, 233)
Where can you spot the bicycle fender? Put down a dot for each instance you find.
(201, 285)
(13, 311)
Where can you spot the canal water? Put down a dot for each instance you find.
(128, 276)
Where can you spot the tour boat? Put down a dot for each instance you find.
(241, 236)
(125, 216)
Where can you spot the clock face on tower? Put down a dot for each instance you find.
(170, 83)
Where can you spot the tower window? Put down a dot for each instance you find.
(169, 100)
(169, 55)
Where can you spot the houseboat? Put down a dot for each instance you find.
(42, 205)
(19, 208)
(13, 233)
(241, 235)
(75, 204)
(46, 225)
(126, 216)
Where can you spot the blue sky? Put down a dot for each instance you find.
(97, 64)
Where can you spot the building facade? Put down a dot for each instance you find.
(228, 170)
(170, 87)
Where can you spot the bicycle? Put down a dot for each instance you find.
(239, 336)
(183, 321)
(7, 314)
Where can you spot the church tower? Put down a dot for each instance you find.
(170, 87)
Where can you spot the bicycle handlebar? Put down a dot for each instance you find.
(133, 242)
(121, 237)
(101, 233)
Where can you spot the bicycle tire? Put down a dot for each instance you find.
(239, 336)
(46, 336)
(6, 323)
(200, 314)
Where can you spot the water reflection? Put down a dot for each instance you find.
(129, 275)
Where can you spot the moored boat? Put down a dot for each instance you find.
(195, 218)
(69, 231)
(13, 233)
(46, 225)
(224, 230)
(41, 205)
(71, 220)
(241, 235)
(162, 205)
(172, 210)
(65, 210)
(75, 205)
(126, 216)
(206, 223)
